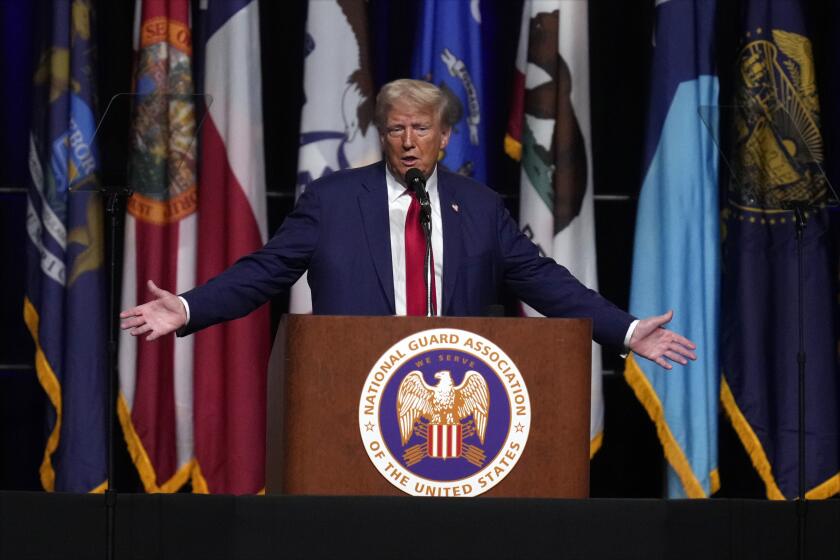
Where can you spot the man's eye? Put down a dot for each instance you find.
(395, 131)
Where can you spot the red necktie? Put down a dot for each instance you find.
(415, 253)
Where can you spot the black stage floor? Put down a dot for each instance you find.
(182, 526)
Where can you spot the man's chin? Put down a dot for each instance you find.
(401, 168)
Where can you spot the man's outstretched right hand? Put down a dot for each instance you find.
(159, 317)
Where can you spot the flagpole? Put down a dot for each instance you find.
(114, 205)
(801, 506)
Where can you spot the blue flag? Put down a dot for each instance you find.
(777, 151)
(64, 306)
(675, 257)
(448, 53)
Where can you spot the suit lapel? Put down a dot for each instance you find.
(373, 204)
(452, 239)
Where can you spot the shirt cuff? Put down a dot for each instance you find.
(630, 330)
(187, 309)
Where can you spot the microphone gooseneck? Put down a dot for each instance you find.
(416, 181)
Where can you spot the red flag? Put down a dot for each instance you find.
(231, 358)
(155, 402)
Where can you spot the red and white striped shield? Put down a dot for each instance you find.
(444, 441)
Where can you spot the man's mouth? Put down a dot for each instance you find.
(409, 161)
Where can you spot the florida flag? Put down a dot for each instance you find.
(155, 401)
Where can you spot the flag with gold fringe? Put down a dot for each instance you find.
(676, 251)
(156, 384)
(65, 304)
(777, 155)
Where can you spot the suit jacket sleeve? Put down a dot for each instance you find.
(256, 278)
(551, 289)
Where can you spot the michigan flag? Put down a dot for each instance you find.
(448, 53)
(676, 254)
(66, 289)
(549, 133)
(777, 154)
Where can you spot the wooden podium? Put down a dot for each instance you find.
(317, 372)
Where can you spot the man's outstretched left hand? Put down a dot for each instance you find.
(653, 341)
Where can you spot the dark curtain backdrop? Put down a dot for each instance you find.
(630, 461)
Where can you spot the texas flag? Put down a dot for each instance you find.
(231, 358)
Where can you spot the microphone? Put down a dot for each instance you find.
(417, 182)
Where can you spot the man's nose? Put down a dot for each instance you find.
(408, 138)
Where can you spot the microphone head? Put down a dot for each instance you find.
(414, 177)
(416, 181)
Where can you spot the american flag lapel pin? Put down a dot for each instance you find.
(455, 206)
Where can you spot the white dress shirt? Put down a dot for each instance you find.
(398, 202)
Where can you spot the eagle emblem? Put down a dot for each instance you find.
(777, 138)
(444, 415)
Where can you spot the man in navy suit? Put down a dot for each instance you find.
(349, 231)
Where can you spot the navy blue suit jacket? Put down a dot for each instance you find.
(339, 232)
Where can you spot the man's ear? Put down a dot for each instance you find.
(444, 137)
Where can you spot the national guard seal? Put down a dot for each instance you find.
(444, 412)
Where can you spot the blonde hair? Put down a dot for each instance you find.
(418, 94)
